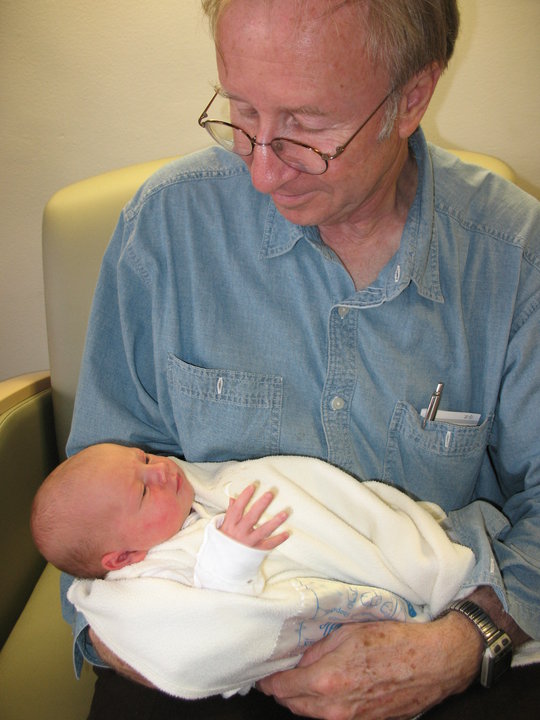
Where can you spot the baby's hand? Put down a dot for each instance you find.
(240, 525)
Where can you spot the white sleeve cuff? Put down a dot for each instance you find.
(225, 564)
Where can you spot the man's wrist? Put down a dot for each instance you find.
(486, 598)
(460, 638)
(497, 644)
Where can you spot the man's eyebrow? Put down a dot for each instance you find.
(308, 110)
(224, 94)
(311, 110)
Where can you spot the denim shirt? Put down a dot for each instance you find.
(222, 331)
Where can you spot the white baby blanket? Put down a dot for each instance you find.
(357, 552)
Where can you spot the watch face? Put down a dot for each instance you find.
(497, 658)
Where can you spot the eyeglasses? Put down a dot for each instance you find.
(297, 155)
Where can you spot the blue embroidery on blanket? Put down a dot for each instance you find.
(347, 603)
(411, 609)
(327, 628)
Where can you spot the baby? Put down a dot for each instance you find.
(105, 507)
(356, 552)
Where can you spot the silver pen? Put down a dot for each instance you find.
(433, 406)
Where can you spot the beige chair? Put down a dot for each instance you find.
(36, 671)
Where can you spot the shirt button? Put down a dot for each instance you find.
(338, 403)
(343, 311)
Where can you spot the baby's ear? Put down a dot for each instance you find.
(120, 558)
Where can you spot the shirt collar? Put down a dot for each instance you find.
(418, 256)
(280, 236)
(420, 240)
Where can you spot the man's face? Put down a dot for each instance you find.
(146, 497)
(309, 80)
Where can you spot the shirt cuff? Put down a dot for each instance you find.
(82, 647)
(475, 526)
(225, 564)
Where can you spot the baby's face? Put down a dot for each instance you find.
(148, 496)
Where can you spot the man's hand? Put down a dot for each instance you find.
(114, 661)
(380, 670)
(241, 524)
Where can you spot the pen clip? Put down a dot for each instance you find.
(433, 406)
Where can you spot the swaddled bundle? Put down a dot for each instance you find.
(357, 552)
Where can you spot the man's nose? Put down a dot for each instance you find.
(268, 172)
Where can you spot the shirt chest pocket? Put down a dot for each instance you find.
(224, 414)
(440, 462)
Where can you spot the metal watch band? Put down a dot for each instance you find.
(498, 651)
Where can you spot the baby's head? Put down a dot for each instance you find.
(106, 507)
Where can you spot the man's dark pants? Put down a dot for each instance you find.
(517, 695)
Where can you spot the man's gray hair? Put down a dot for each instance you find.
(402, 36)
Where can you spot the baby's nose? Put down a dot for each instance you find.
(156, 474)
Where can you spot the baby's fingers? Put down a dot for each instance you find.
(272, 542)
(240, 522)
(237, 506)
(256, 511)
(262, 538)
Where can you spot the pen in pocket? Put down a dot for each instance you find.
(433, 406)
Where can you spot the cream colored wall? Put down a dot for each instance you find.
(89, 85)
(489, 98)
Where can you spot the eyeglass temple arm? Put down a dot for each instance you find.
(204, 115)
(342, 148)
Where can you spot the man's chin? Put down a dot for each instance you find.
(298, 209)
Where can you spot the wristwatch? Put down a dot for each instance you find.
(497, 655)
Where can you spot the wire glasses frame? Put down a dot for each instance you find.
(296, 154)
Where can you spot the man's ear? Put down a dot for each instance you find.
(120, 558)
(415, 98)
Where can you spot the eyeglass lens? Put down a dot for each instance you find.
(236, 140)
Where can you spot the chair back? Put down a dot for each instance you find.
(78, 222)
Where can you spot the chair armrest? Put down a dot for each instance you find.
(16, 389)
(36, 662)
(27, 454)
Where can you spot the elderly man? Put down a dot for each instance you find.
(336, 287)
